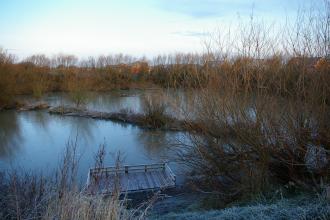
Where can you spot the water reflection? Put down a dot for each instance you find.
(160, 144)
(10, 134)
(115, 101)
(36, 117)
(109, 101)
(154, 142)
(82, 128)
(39, 139)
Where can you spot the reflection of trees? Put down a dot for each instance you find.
(83, 127)
(10, 133)
(179, 103)
(40, 118)
(113, 101)
(107, 101)
(156, 143)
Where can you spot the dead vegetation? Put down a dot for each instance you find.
(242, 146)
(262, 116)
(263, 122)
(155, 110)
(61, 196)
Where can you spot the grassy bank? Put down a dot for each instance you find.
(294, 208)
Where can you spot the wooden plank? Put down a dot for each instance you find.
(161, 181)
(153, 183)
(129, 168)
(151, 180)
(168, 179)
(137, 181)
(136, 178)
(148, 186)
(156, 179)
(163, 177)
(130, 183)
(141, 180)
(123, 182)
(127, 181)
(146, 181)
(133, 177)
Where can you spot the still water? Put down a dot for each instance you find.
(35, 141)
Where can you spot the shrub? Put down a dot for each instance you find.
(155, 110)
(242, 145)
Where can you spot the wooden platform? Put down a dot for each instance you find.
(128, 179)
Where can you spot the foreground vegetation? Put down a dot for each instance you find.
(261, 119)
(294, 208)
(261, 122)
(59, 195)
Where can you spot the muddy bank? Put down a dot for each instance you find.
(166, 122)
(25, 106)
(141, 120)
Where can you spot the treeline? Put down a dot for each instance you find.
(294, 76)
(252, 57)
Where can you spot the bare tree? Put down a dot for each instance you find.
(38, 60)
(63, 60)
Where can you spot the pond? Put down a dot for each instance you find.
(36, 140)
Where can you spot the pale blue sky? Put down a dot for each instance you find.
(137, 27)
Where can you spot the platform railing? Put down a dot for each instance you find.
(131, 168)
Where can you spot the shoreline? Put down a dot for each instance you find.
(137, 119)
(127, 117)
